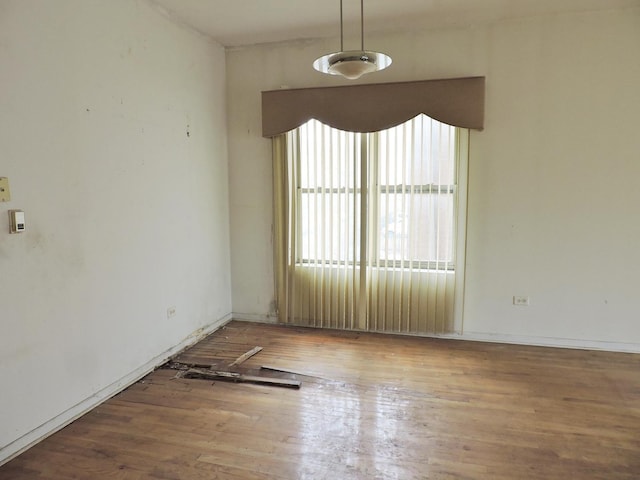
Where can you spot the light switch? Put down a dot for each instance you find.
(5, 194)
(16, 221)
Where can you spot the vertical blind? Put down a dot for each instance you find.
(365, 226)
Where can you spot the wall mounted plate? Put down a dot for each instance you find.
(5, 194)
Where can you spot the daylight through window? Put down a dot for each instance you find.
(369, 225)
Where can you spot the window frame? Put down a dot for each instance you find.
(370, 141)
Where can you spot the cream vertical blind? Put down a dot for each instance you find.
(365, 226)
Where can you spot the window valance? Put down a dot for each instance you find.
(373, 107)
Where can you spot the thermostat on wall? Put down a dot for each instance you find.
(16, 221)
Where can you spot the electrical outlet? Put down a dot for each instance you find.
(521, 301)
(171, 312)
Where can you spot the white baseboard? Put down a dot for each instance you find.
(60, 421)
(549, 342)
(533, 341)
(255, 317)
(492, 338)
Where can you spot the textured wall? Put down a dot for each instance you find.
(113, 136)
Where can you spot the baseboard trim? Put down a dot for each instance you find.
(20, 445)
(549, 342)
(255, 317)
(487, 337)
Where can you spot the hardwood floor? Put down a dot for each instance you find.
(370, 407)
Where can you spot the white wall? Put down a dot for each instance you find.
(113, 136)
(553, 200)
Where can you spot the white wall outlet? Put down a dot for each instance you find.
(171, 312)
(521, 301)
(16, 221)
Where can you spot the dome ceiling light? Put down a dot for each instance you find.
(352, 64)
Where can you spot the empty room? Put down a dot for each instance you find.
(321, 240)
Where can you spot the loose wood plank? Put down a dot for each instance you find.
(245, 356)
(291, 372)
(239, 377)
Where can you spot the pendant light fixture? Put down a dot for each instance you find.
(352, 64)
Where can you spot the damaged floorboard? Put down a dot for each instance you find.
(208, 374)
(245, 356)
(372, 407)
(211, 371)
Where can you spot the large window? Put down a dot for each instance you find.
(366, 226)
(408, 206)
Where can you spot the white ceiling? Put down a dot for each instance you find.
(248, 22)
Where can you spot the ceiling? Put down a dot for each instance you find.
(248, 22)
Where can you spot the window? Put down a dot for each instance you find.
(328, 221)
(410, 177)
(366, 226)
(415, 194)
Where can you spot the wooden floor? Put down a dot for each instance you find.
(370, 407)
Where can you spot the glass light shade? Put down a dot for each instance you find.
(352, 64)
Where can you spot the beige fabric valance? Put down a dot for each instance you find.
(373, 107)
